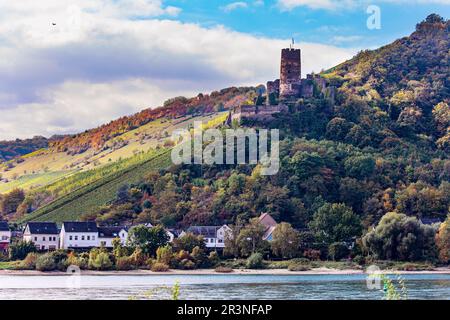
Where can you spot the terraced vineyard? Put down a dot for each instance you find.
(95, 194)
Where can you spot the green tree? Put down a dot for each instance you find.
(99, 259)
(335, 223)
(11, 201)
(443, 241)
(360, 167)
(285, 241)
(164, 254)
(250, 239)
(147, 239)
(189, 241)
(399, 237)
(19, 250)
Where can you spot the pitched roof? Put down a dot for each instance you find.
(206, 231)
(43, 227)
(268, 232)
(267, 221)
(175, 232)
(430, 220)
(76, 227)
(4, 226)
(109, 232)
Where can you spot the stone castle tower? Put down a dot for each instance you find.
(290, 73)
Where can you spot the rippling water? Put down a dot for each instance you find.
(218, 287)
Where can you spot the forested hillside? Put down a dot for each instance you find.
(16, 148)
(371, 169)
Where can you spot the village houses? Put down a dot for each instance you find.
(44, 235)
(214, 236)
(106, 235)
(79, 235)
(5, 236)
(86, 235)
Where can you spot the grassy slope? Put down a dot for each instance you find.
(33, 180)
(91, 196)
(43, 167)
(101, 191)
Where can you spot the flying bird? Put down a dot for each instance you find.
(53, 23)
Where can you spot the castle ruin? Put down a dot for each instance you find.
(281, 93)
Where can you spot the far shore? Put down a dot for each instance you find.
(279, 272)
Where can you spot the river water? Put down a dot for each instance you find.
(229, 287)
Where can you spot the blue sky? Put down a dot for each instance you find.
(344, 26)
(71, 65)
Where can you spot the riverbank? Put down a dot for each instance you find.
(280, 272)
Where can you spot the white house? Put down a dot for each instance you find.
(107, 234)
(5, 236)
(81, 235)
(214, 235)
(44, 235)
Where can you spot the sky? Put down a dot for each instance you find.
(67, 66)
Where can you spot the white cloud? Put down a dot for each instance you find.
(234, 5)
(97, 64)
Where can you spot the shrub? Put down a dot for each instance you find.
(213, 258)
(124, 263)
(409, 266)
(160, 267)
(200, 258)
(255, 261)
(221, 269)
(19, 250)
(139, 258)
(99, 260)
(45, 262)
(62, 265)
(338, 251)
(80, 261)
(3, 257)
(29, 263)
(150, 262)
(186, 264)
(298, 267)
(164, 254)
(301, 260)
(361, 260)
(312, 254)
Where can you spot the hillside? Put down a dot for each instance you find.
(408, 79)
(172, 109)
(12, 149)
(382, 147)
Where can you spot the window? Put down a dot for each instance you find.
(220, 240)
(70, 238)
(43, 238)
(89, 238)
(103, 243)
(76, 237)
(4, 238)
(93, 237)
(35, 238)
(82, 238)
